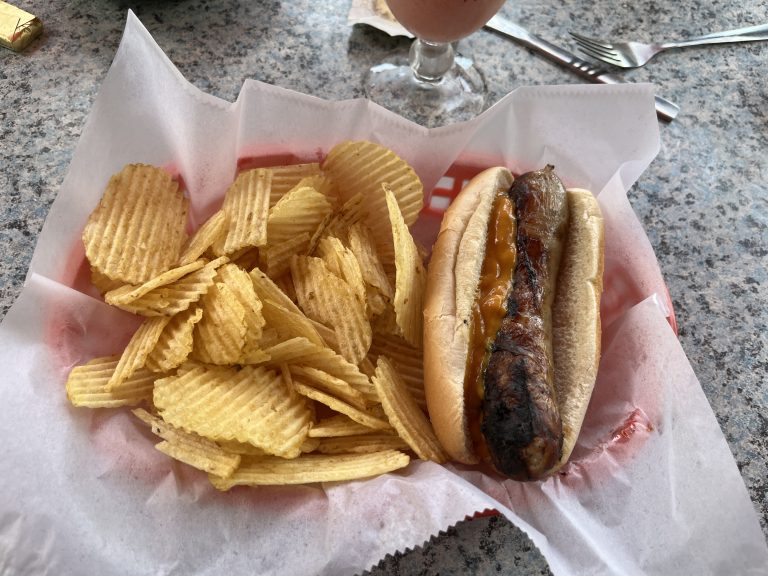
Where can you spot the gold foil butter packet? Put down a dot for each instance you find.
(17, 27)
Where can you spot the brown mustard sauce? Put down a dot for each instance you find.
(489, 308)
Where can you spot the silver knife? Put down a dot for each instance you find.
(665, 109)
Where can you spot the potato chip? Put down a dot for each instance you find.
(103, 283)
(302, 352)
(363, 167)
(87, 385)
(364, 248)
(127, 294)
(301, 210)
(310, 445)
(276, 259)
(326, 333)
(338, 222)
(212, 229)
(356, 414)
(190, 448)
(338, 425)
(177, 296)
(363, 444)
(342, 262)
(269, 470)
(251, 405)
(366, 366)
(285, 178)
(137, 230)
(297, 215)
(407, 360)
(219, 337)
(266, 289)
(411, 278)
(241, 285)
(321, 182)
(175, 342)
(404, 414)
(290, 351)
(246, 205)
(135, 354)
(386, 322)
(375, 302)
(285, 284)
(328, 299)
(290, 324)
(242, 448)
(247, 258)
(330, 384)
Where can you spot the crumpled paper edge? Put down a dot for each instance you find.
(365, 12)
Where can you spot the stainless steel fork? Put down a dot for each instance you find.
(635, 54)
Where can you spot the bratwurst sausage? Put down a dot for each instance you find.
(519, 414)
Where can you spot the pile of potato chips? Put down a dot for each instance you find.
(281, 342)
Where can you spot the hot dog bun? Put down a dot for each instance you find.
(452, 285)
(576, 315)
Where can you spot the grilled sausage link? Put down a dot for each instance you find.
(520, 418)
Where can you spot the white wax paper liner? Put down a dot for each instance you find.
(652, 487)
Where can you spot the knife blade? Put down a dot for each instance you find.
(665, 109)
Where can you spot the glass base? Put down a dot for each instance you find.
(459, 95)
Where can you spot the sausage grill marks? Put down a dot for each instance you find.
(520, 419)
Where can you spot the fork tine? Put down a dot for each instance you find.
(608, 57)
(608, 52)
(601, 52)
(593, 42)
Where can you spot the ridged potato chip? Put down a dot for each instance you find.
(285, 178)
(358, 415)
(290, 324)
(364, 248)
(363, 444)
(242, 448)
(212, 229)
(408, 361)
(138, 349)
(331, 301)
(276, 259)
(304, 353)
(341, 261)
(190, 448)
(338, 222)
(328, 383)
(246, 205)
(247, 258)
(137, 230)
(126, 295)
(87, 385)
(404, 414)
(338, 425)
(251, 405)
(268, 470)
(411, 278)
(103, 283)
(360, 166)
(241, 285)
(177, 296)
(175, 342)
(219, 337)
(266, 289)
(301, 210)
(321, 182)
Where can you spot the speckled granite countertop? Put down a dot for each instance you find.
(703, 202)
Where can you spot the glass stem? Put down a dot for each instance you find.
(431, 60)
